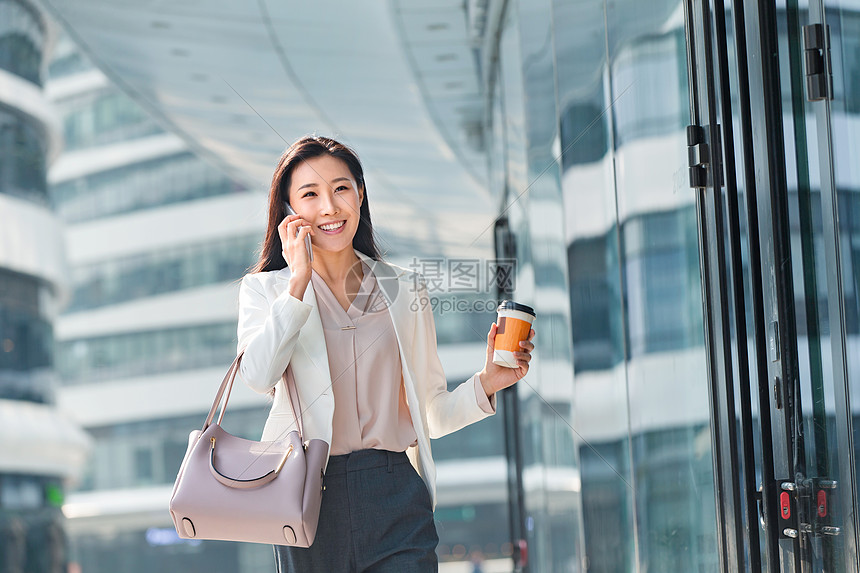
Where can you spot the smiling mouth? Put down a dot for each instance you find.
(333, 226)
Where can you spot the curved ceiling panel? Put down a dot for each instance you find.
(238, 80)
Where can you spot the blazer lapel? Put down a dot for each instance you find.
(393, 287)
(393, 283)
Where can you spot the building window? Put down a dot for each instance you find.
(149, 452)
(145, 353)
(22, 158)
(21, 39)
(144, 185)
(102, 118)
(26, 339)
(159, 272)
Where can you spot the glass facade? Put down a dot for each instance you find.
(23, 146)
(94, 119)
(160, 549)
(103, 117)
(32, 527)
(147, 184)
(160, 272)
(591, 106)
(22, 36)
(474, 441)
(32, 534)
(26, 339)
(67, 59)
(844, 21)
(149, 452)
(131, 354)
(460, 326)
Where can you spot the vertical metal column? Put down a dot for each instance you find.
(751, 524)
(505, 248)
(768, 490)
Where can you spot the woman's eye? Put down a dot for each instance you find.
(308, 193)
(341, 187)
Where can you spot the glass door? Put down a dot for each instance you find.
(778, 246)
(828, 80)
(817, 38)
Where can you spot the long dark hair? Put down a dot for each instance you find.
(305, 148)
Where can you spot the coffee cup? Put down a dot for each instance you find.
(513, 325)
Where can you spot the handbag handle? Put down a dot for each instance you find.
(227, 384)
(244, 483)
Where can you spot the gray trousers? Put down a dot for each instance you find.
(376, 517)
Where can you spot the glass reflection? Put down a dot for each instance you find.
(843, 18)
(666, 368)
(533, 193)
(639, 360)
(596, 296)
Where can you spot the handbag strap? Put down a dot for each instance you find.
(297, 412)
(227, 382)
(227, 386)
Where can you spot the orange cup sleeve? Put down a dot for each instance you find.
(510, 332)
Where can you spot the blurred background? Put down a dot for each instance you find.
(137, 144)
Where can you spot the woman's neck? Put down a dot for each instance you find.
(334, 268)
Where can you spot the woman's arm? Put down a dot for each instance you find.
(446, 411)
(267, 333)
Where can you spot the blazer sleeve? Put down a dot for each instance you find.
(446, 411)
(268, 333)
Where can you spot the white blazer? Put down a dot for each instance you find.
(277, 329)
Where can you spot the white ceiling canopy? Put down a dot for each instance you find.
(397, 81)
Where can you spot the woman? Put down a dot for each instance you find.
(356, 337)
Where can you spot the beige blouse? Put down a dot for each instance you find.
(370, 409)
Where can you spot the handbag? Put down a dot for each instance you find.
(232, 489)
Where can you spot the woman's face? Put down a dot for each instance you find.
(323, 191)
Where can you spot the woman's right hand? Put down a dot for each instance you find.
(295, 252)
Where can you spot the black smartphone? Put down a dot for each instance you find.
(292, 211)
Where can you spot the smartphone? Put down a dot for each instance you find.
(292, 211)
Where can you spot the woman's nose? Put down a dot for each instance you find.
(329, 204)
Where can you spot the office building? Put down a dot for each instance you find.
(41, 450)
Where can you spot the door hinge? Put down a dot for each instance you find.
(816, 54)
(698, 155)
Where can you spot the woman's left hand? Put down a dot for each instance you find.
(494, 377)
